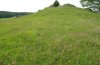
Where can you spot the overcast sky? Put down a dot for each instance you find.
(31, 5)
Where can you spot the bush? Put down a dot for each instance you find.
(69, 5)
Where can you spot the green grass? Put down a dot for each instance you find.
(54, 36)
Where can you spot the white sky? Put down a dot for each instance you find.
(31, 5)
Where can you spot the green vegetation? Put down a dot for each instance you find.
(6, 14)
(93, 5)
(55, 36)
(70, 5)
(55, 4)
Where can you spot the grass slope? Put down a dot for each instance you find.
(54, 36)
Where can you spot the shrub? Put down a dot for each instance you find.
(69, 5)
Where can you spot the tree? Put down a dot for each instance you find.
(94, 5)
(56, 3)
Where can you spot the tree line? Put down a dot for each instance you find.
(6, 14)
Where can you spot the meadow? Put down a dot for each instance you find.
(54, 36)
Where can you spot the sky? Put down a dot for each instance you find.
(31, 5)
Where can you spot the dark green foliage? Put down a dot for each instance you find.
(56, 3)
(93, 5)
(5, 14)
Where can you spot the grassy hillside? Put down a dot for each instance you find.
(55, 36)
